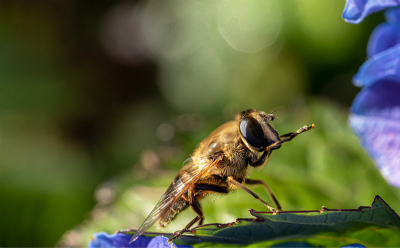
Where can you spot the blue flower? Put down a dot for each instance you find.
(162, 242)
(105, 240)
(353, 246)
(375, 112)
(356, 10)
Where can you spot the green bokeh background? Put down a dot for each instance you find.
(102, 101)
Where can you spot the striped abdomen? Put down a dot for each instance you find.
(180, 204)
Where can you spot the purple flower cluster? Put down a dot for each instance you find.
(375, 112)
(104, 240)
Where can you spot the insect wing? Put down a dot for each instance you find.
(174, 192)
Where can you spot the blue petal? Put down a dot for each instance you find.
(105, 240)
(353, 246)
(162, 242)
(392, 16)
(382, 38)
(356, 10)
(375, 119)
(384, 65)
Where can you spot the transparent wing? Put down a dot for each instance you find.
(187, 161)
(173, 193)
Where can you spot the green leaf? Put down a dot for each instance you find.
(377, 225)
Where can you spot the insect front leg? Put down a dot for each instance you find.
(289, 136)
(237, 184)
(261, 160)
(255, 182)
(194, 203)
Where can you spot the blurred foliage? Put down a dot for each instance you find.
(89, 88)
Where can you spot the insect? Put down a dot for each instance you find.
(221, 164)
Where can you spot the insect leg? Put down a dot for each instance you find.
(236, 183)
(289, 136)
(255, 182)
(212, 188)
(194, 203)
(286, 135)
(262, 159)
(201, 221)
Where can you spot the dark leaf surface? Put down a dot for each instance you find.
(377, 225)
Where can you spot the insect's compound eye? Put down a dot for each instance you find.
(252, 131)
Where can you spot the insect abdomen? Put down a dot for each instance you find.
(169, 216)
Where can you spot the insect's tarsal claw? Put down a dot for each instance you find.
(274, 211)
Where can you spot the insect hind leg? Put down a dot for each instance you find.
(194, 203)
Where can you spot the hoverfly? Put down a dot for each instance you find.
(221, 164)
